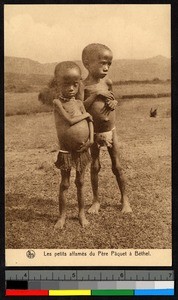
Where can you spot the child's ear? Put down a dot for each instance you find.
(86, 63)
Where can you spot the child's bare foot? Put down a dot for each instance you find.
(83, 220)
(60, 223)
(126, 208)
(94, 209)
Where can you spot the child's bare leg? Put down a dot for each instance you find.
(79, 181)
(64, 186)
(95, 168)
(117, 170)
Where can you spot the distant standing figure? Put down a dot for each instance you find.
(99, 101)
(75, 134)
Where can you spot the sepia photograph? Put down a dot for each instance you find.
(88, 131)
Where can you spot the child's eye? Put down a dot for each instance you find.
(104, 63)
(76, 84)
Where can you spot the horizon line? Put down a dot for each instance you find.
(159, 55)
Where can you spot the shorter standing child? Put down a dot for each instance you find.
(100, 103)
(75, 134)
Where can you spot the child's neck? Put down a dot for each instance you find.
(64, 99)
(92, 79)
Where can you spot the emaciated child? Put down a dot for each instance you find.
(75, 134)
(99, 101)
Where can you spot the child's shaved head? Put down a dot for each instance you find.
(64, 71)
(64, 67)
(90, 52)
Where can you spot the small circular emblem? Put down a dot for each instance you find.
(30, 254)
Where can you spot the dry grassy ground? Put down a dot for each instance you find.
(142, 88)
(32, 184)
(23, 103)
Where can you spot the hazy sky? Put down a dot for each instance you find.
(50, 33)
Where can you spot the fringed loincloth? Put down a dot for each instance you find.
(66, 160)
(104, 138)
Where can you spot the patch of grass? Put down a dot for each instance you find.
(141, 89)
(23, 103)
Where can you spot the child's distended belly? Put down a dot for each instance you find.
(72, 137)
(103, 120)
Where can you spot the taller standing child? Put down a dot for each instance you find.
(99, 101)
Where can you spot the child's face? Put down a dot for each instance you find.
(98, 67)
(68, 83)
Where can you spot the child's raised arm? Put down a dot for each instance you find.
(111, 102)
(89, 101)
(94, 91)
(71, 120)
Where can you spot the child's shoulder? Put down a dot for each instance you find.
(108, 81)
(87, 83)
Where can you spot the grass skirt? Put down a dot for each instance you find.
(65, 161)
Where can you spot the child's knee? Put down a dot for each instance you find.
(64, 185)
(79, 182)
(96, 166)
(116, 169)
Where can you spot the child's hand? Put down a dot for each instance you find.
(90, 118)
(86, 115)
(112, 104)
(85, 146)
(107, 94)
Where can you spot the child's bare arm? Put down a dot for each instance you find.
(83, 111)
(90, 125)
(90, 141)
(89, 101)
(66, 116)
(111, 103)
(103, 92)
(91, 132)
